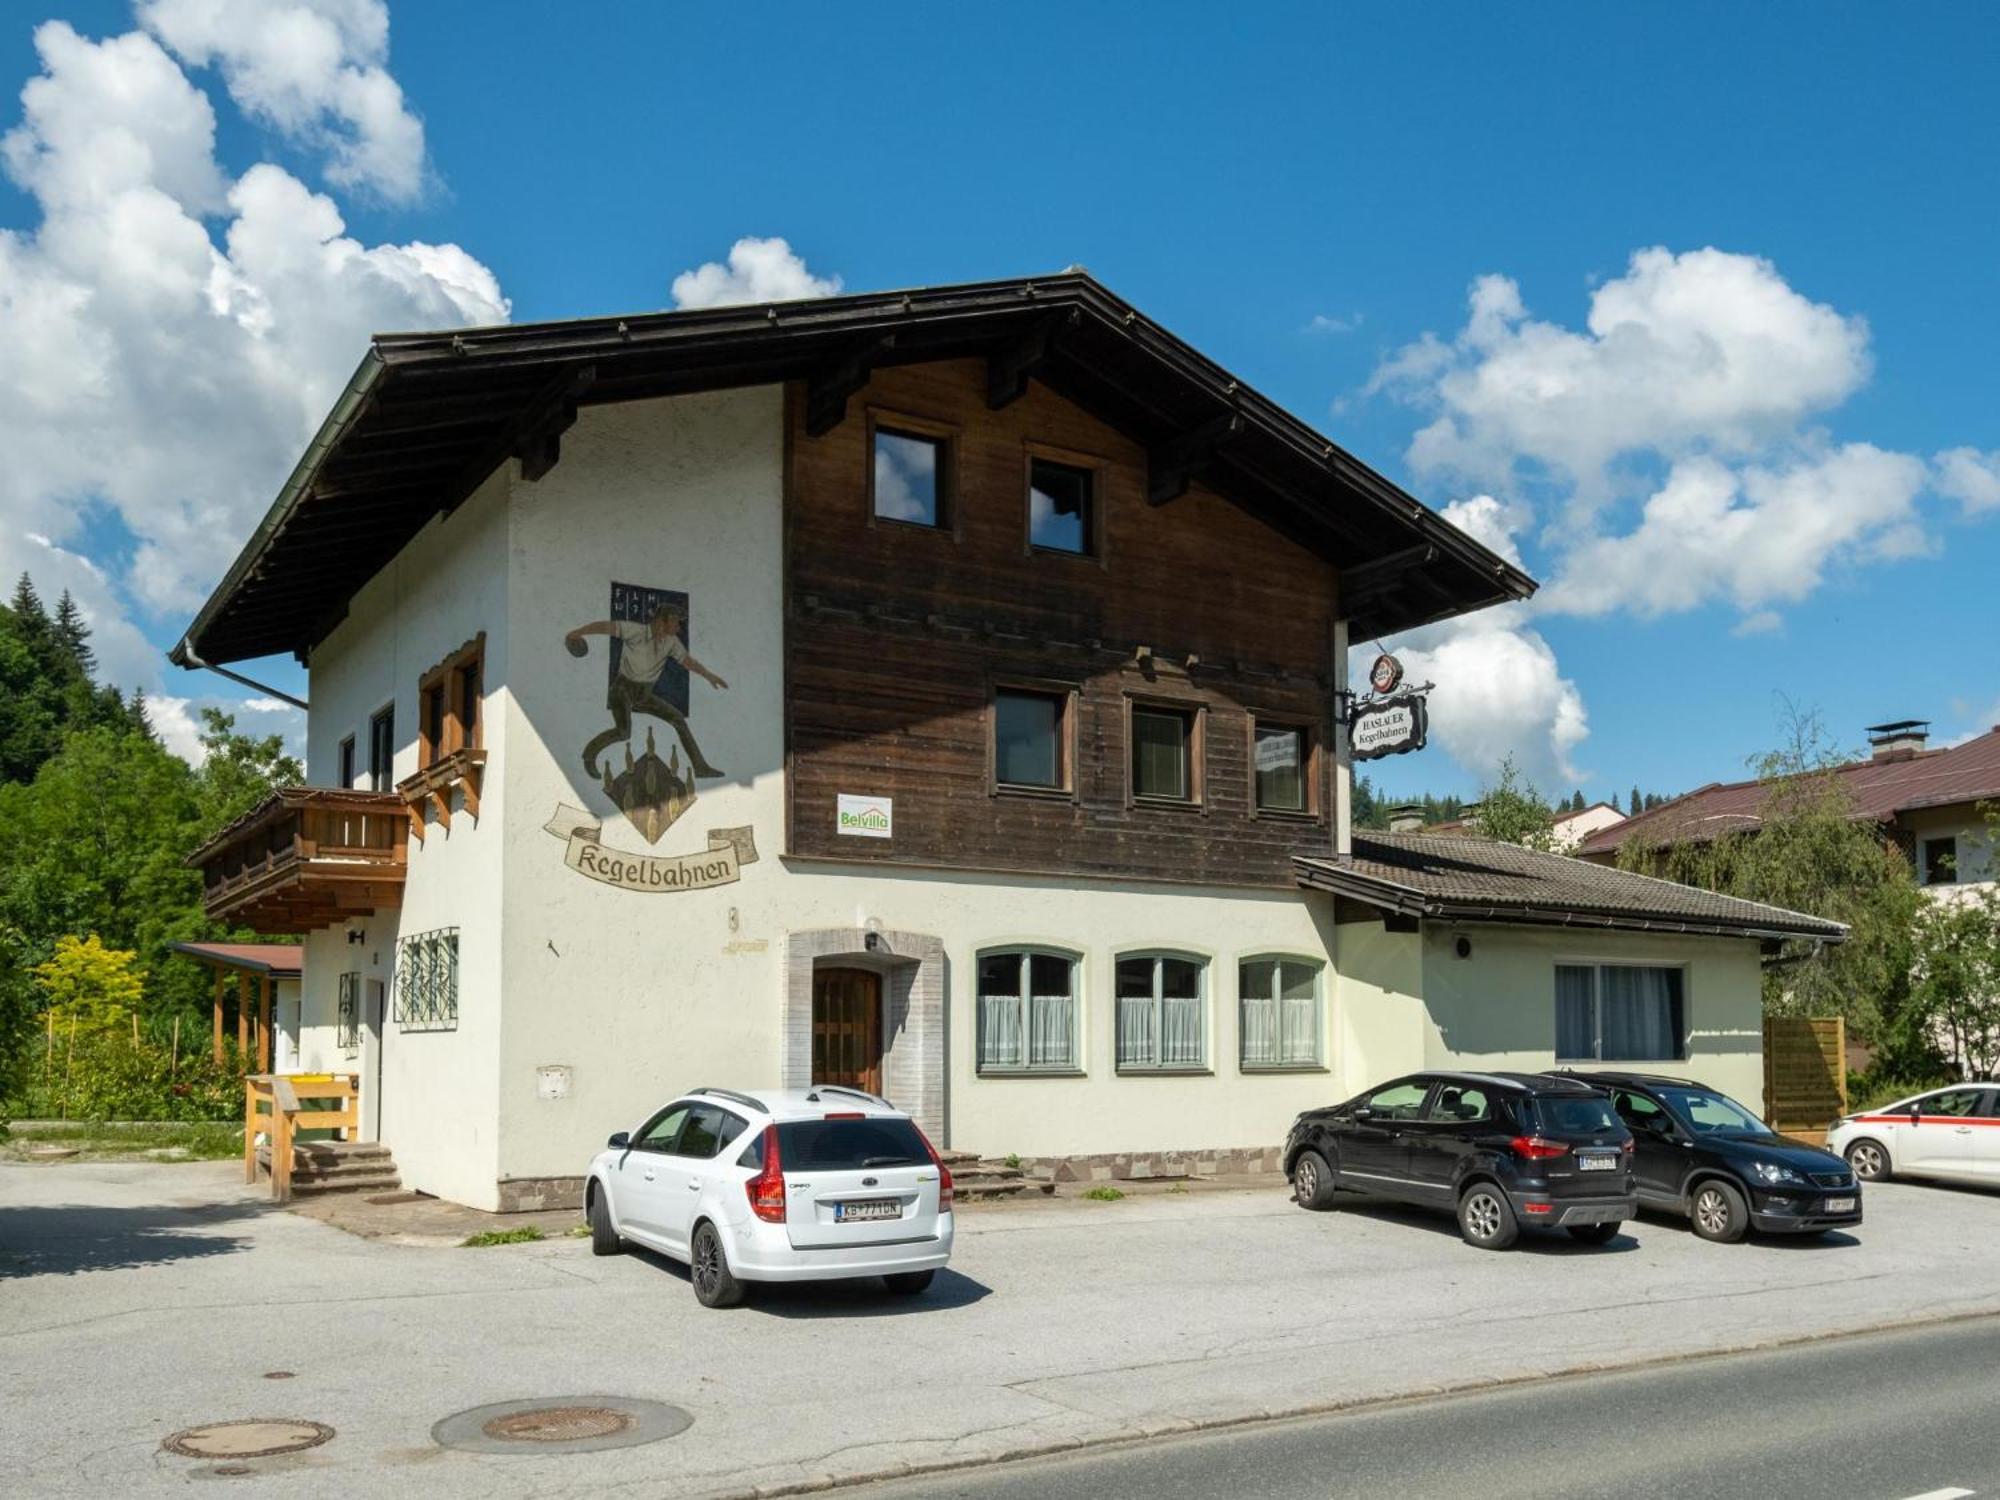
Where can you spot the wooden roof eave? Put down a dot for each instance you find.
(482, 383)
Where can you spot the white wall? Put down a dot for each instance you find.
(436, 1099)
(1976, 858)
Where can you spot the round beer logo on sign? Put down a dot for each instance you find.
(1385, 674)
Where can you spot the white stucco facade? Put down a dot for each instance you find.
(581, 1004)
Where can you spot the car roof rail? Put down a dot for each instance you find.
(745, 1099)
(817, 1089)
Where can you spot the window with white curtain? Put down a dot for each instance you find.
(1280, 1012)
(1162, 1012)
(1620, 1013)
(1027, 1011)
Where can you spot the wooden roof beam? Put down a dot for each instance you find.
(1171, 466)
(827, 390)
(1009, 368)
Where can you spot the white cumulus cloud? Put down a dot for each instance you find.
(1697, 352)
(315, 70)
(174, 336)
(766, 270)
(1970, 477)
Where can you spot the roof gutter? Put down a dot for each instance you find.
(347, 410)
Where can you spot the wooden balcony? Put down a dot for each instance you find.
(307, 857)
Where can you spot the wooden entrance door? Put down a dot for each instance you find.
(847, 1028)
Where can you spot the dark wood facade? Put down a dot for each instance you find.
(897, 637)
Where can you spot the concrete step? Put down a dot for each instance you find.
(338, 1167)
(376, 1182)
(977, 1178)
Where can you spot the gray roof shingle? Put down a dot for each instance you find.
(1475, 879)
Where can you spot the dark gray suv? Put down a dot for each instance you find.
(1500, 1150)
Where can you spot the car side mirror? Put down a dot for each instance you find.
(1363, 1112)
(620, 1140)
(1915, 1112)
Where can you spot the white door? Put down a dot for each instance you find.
(288, 1034)
(1942, 1140)
(1986, 1138)
(642, 1178)
(684, 1169)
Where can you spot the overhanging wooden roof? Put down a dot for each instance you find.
(428, 416)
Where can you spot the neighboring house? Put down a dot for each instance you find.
(1572, 828)
(1930, 803)
(939, 691)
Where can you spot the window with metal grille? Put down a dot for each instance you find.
(427, 980)
(347, 1030)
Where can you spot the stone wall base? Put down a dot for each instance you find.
(1137, 1166)
(527, 1195)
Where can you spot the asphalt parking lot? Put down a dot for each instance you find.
(137, 1300)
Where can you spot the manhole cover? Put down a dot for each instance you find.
(561, 1424)
(260, 1437)
(557, 1424)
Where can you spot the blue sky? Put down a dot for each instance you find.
(1303, 194)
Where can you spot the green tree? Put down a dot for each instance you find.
(1513, 812)
(87, 983)
(1810, 852)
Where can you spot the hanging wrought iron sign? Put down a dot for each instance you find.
(1388, 726)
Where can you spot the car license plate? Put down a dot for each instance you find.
(867, 1208)
(1840, 1205)
(1597, 1161)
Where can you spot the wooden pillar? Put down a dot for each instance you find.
(249, 1131)
(243, 1022)
(264, 1024)
(218, 1015)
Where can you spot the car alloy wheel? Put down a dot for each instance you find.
(1870, 1162)
(707, 1263)
(1711, 1210)
(1482, 1215)
(1305, 1179)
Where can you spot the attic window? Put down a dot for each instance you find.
(1060, 507)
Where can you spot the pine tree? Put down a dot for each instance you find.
(140, 720)
(73, 635)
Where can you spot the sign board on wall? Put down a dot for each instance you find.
(864, 817)
(1393, 726)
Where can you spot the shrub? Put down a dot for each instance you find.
(106, 1077)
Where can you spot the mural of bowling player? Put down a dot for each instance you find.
(649, 669)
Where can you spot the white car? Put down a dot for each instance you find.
(1951, 1133)
(817, 1184)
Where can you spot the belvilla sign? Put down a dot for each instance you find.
(1392, 726)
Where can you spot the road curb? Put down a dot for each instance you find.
(1188, 1426)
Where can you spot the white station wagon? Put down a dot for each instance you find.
(1951, 1133)
(818, 1184)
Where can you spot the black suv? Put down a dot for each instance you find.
(1702, 1154)
(1501, 1149)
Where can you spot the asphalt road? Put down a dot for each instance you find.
(1882, 1417)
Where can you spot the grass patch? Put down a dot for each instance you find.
(1102, 1194)
(1177, 1187)
(176, 1140)
(1014, 1161)
(527, 1234)
(580, 1232)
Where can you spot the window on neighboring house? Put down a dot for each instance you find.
(1280, 1012)
(1162, 1012)
(1281, 768)
(1060, 507)
(909, 478)
(382, 750)
(427, 980)
(1027, 1011)
(1620, 1013)
(1163, 753)
(346, 772)
(1030, 738)
(1940, 861)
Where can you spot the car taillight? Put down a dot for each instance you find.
(1630, 1146)
(944, 1172)
(767, 1188)
(1535, 1148)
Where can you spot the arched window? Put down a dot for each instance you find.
(1162, 1012)
(1279, 997)
(1027, 1018)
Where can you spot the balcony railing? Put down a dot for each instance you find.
(307, 857)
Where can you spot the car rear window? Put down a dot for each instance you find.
(1586, 1115)
(849, 1145)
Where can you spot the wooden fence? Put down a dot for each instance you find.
(1805, 1074)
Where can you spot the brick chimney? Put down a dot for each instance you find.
(1408, 818)
(1900, 740)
